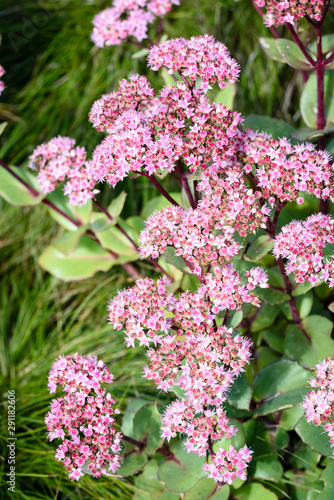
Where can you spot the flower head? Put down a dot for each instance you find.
(200, 57)
(83, 418)
(57, 161)
(288, 11)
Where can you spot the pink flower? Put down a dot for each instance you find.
(57, 161)
(200, 57)
(228, 465)
(85, 406)
(288, 11)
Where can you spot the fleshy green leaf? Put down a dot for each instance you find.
(83, 262)
(175, 260)
(306, 134)
(240, 394)
(328, 477)
(68, 242)
(290, 417)
(260, 247)
(207, 488)
(132, 407)
(292, 54)
(183, 473)
(314, 436)
(272, 296)
(158, 203)
(134, 462)
(270, 48)
(308, 100)
(116, 206)
(146, 427)
(279, 385)
(140, 54)
(309, 352)
(254, 491)
(148, 487)
(226, 96)
(80, 214)
(16, 193)
(238, 441)
(113, 239)
(265, 318)
(277, 128)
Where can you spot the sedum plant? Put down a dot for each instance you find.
(238, 316)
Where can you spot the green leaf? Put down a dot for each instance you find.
(140, 54)
(16, 193)
(176, 260)
(80, 214)
(190, 283)
(235, 320)
(240, 394)
(113, 239)
(274, 336)
(302, 288)
(309, 351)
(277, 128)
(260, 247)
(272, 296)
(148, 487)
(117, 204)
(292, 54)
(132, 407)
(3, 125)
(304, 305)
(279, 385)
(169, 80)
(226, 96)
(101, 222)
(68, 242)
(207, 488)
(254, 491)
(146, 427)
(265, 318)
(304, 457)
(308, 100)
(305, 133)
(83, 262)
(133, 462)
(158, 203)
(265, 356)
(270, 48)
(328, 477)
(238, 441)
(183, 471)
(314, 436)
(290, 417)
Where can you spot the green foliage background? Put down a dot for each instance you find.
(54, 74)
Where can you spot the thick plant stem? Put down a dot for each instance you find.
(185, 185)
(161, 189)
(300, 44)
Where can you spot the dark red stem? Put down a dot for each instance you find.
(161, 189)
(300, 44)
(185, 185)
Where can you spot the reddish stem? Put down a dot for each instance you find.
(161, 189)
(185, 185)
(300, 44)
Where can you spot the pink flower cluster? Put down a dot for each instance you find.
(142, 310)
(190, 351)
(289, 11)
(302, 244)
(2, 85)
(58, 160)
(190, 232)
(229, 203)
(83, 418)
(127, 18)
(200, 57)
(284, 171)
(228, 465)
(134, 151)
(319, 403)
(130, 96)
